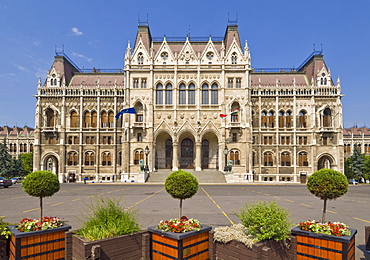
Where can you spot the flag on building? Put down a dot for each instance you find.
(234, 112)
(130, 110)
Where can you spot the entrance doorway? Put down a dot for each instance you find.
(205, 154)
(187, 154)
(168, 149)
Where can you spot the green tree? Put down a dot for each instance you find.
(27, 163)
(6, 161)
(181, 185)
(348, 169)
(327, 184)
(41, 184)
(357, 163)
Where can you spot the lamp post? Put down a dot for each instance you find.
(226, 151)
(146, 151)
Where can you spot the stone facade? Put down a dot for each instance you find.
(276, 125)
(18, 140)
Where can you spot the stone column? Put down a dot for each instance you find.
(175, 157)
(198, 156)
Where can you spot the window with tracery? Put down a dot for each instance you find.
(159, 94)
(234, 58)
(214, 94)
(50, 118)
(140, 59)
(268, 159)
(302, 119)
(285, 159)
(106, 159)
(139, 155)
(89, 158)
(302, 159)
(234, 157)
(205, 94)
(104, 119)
(72, 159)
(168, 94)
(74, 119)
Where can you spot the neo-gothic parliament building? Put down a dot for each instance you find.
(287, 123)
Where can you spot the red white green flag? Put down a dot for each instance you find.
(234, 112)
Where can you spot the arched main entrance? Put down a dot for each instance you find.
(209, 152)
(325, 162)
(163, 151)
(187, 154)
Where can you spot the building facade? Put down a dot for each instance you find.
(18, 140)
(277, 125)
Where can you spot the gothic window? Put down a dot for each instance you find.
(234, 156)
(214, 94)
(89, 158)
(50, 118)
(143, 83)
(234, 58)
(254, 119)
(182, 94)
(159, 94)
(263, 119)
(254, 159)
(302, 119)
(191, 94)
(268, 159)
(106, 159)
(164, 55)
(168, 94)
(52, 140)
(230, 82)
(94, 119)
(238, 83)
(302, 159)
(140, 59)
(235, 115)
(90, 140)
(87, 119)
(119, 158)
(74, 119)
(323, 80)
(31, 147)
(104, 119)
(209, 55)
(271, 120)
(288, 119)
(136, 83)
(281, 119)
(326, 117)
(72, 159)
(139, 137)
(139, 155)
(285, 159)
(205, 96)
(110, 119)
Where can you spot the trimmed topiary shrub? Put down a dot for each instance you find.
(41, 184)
(181, 185)
(265, 221)
(327, 184)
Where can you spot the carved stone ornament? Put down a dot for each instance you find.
(204, 115)
(182, 115)
(169, 116)
(159, 115)
(192, 115)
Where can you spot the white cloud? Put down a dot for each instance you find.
(21, 68)
(81, 56)
(76, 31)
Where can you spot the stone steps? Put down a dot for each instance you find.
(204, 176)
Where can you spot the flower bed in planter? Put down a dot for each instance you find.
(319, 246)
(189, 245)
(49, 243)
(129, 247)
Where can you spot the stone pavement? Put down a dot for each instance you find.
(204, 176)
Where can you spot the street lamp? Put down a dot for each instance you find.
(226, 151)
(146, 151)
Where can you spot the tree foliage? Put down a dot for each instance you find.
(27, 162)
(327, 184)
(357, 164)
(41, 184)
(6, 161)
(181, 185)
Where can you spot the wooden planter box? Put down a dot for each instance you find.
(43, 244)
(129, 247)
(319, 246)
(4, 248)
(268, 250)
(192, 245)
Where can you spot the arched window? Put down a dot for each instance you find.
(205, 95)
(302, 119)
(50, 118)
(281, 119)
(110, 119)
(72, 159)
(74, 119)
(254, 119)
(234, 156)
(235, 112)
(234, 58)
(214, 94)
(106, 159)
(139, 155)
(104, 119)
(182, 94)
(119, 158)
(263, 119)
(285, 159)
(288, 119)
(191, 94)
(94, 119)
(159, 94)
(271, 119)
(89, 158)
(139, 113)
(302, 159)
(268, 159)
(326, 117)
(87, 119)
(140, 59)
(168, 94)
(254, 159)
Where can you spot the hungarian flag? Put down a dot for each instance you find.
(234, 112)
(130, 110)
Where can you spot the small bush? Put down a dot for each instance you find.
(108, 219)
(265, 220)
(237, 232)
(4, 230)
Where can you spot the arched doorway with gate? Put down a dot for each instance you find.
(187, 154)
(163, 151)
(50, 162)
(209, 156)
(325, 161)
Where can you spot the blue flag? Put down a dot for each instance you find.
(130, 110)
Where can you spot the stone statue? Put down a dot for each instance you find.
(141, 163)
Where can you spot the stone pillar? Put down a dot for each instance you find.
(175, 157)
(198, 156)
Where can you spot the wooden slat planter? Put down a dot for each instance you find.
(129, 247)
(43, 244)
(319, 246)
(4, 248)
(192, 245)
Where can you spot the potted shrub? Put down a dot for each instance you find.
(263, 233)
(39, 237)
(108, 232)
(180, 238)
(332, 240)
(4, 238)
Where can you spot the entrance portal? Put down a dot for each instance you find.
(187, 154)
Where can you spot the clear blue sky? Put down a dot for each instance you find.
(95, 34)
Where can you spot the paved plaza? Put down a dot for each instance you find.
(214, 204)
